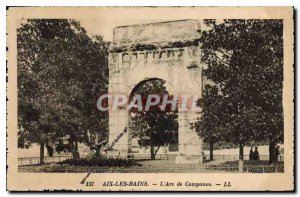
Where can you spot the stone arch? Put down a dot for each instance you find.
(168, 85)
(173, 57)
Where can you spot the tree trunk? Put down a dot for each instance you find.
(76, 148)
(42, 153)
(271, 151)
(156, 150)
(97, 154)
(211, 151)
(241, 157)
(152, 152)
(75, 151)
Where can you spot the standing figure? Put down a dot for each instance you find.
(251, 154)
(256, 154)
(203, 156)
(276, 154)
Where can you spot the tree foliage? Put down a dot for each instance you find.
(61, 73)
(244, 59)
(211, 127)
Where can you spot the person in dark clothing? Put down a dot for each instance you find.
(276, 154)
(256, 154)
(251, 154)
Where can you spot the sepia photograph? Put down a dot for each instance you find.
(201, 101)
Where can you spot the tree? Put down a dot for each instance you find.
(209, 126)
(155, 127)
(61, 73)
(245, 60)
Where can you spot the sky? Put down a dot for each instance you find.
(105, 27)
(102, 21)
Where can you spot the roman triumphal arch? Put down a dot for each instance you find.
(164, 50)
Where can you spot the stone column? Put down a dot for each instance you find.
(118, 132)
(190, 144)
(118, 119)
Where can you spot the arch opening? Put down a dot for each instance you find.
(155, 129)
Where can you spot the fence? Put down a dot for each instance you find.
(249, 167)
(246, 157)
(25, 161)
(215, 157)
(147, 156)
(57, 159)
(264, 168)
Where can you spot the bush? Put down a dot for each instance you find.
(100, 161)
(173, 147)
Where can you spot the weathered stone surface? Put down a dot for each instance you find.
(163, 34)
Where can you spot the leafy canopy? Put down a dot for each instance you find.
(61, 72)
(244, 60)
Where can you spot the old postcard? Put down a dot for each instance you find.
(150, 98)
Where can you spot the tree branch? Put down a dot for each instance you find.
(156, 150)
